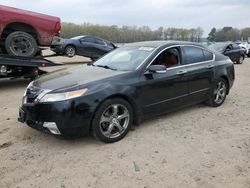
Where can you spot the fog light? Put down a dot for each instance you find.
(52, 127)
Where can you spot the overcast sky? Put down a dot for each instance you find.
(153, 13)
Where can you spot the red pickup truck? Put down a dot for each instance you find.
(22, 32)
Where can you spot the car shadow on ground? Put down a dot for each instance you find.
(81, 141)
(13, 83)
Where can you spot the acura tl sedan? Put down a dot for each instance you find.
(128, 85)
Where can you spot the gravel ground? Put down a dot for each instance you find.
(198, 146)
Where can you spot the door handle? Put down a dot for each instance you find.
(181, 72)
(210, 66)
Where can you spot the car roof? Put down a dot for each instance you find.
(156, 44)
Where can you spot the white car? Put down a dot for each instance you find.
(244, 45)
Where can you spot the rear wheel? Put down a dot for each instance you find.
(70, 51)
(20, 43)
(218, 93)
(241, 59)
(112, 120)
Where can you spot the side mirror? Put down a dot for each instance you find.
(157, 69)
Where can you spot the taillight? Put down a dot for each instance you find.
(58, 27)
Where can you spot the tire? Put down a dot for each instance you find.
(241, 60)
(248, 55)
(70, 51)
(93, 58)
(218, 93)
(22, 44)
(112, 120)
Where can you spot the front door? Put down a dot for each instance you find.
(163, 91)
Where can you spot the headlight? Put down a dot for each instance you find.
(30, 84)
(53, 97)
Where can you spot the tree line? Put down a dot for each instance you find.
(228, 34)
(127, 34)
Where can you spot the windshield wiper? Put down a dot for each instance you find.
(105, 66)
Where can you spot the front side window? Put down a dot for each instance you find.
(192, 55)
(169, 58)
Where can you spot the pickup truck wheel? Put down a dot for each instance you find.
(20, 43)
(241, 60)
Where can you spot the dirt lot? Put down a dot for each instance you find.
(195, 147)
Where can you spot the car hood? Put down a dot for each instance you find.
(70, 77)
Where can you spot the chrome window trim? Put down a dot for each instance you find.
(183, 45)
(146, 59)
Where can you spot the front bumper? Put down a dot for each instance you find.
(66, 118)
(57, 41)
(57, 49)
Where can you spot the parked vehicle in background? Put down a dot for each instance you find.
(244, 45)
(22, 32)
(232, 50)
(88, 46)
(128, 85)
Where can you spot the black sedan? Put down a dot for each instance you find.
(126, 86)
(88, 46)
(232, 50)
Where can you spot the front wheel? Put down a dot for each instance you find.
(218, 93)
(112, 120)
(70, 51)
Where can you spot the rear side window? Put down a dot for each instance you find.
(88, 39)
(100, 42)
(192, 54)
(195, 55)
(208, 56)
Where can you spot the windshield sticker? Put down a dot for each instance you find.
(149, 49)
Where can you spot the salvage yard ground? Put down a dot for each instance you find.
(198, 146)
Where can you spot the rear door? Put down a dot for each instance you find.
(200, 68)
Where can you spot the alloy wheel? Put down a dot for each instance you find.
(70, 51)
(220, 92)
(114, 121)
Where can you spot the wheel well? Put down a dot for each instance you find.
(69, 45)
(12, 27)
(227, 80)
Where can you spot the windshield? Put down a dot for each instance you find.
(218, 46)
(125, 58)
